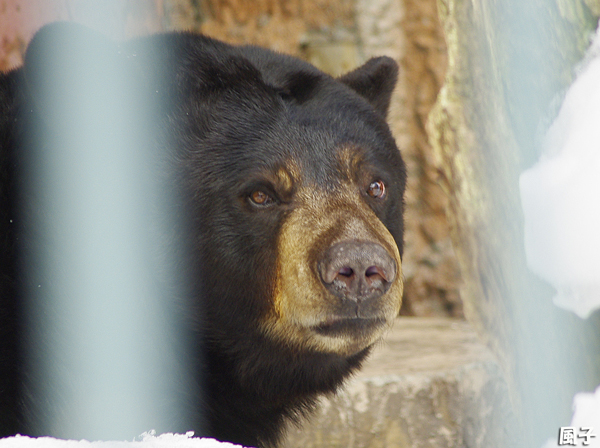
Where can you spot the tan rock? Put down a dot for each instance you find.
(432, 384)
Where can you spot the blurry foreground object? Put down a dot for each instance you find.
(100, 302)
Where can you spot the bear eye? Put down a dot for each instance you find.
(376, 189)
(259, 197)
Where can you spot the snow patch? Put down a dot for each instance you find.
(147, 440)
(586, 415)
(560, 196)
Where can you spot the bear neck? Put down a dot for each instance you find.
(249, 405)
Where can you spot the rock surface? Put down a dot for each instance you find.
(432, 383)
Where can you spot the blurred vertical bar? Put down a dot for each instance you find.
(107, 354)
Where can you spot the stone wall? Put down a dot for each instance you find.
(431, 270)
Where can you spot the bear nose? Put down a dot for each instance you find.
(357, 270)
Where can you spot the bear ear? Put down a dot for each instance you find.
(375, 81)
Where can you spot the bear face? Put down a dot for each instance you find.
(304, 166)
(292, 189)
(304, 201)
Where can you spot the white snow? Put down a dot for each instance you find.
(147, 440)
(561, 197)
(561, 204)
(586, 415)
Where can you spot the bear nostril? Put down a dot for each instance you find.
(346, 271)
(344, 278)
(357, 270)
(374, 273)
(373, 270)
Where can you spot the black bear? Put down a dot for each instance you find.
(292, 186)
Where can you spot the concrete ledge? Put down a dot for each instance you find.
(430, 384)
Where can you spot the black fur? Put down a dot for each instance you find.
(229, 113)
